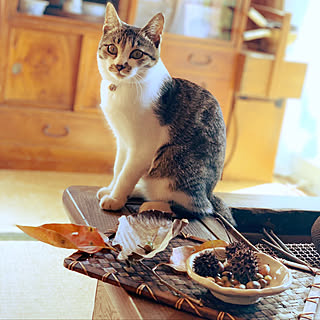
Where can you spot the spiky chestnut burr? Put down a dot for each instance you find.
(233, 247)
(207, 265)
(243, 263)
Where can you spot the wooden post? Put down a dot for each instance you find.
(127, 10)
(279, 56)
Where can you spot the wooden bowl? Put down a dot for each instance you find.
(281, 280)
(315, 234)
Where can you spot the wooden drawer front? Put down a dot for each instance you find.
(221, 89)
(254, 132)
(291, 80)
(195, 58)
(255, 77)
(55, 129)
(42, 68)
(257, 73)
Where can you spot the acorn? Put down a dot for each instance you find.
(207, 265)
(253, 285)
(263, 283)
(264, 269)
(268, 278)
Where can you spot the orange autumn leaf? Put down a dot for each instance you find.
(210, 244)
(69, 236)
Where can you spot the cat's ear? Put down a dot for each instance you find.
(153, 29)
(112, 19)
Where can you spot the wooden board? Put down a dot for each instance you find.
(288, 214)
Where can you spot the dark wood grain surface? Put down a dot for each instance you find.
(286, 215)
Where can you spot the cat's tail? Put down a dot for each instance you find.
(220, 208)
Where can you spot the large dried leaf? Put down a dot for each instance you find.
(70, 236)
(146, 233)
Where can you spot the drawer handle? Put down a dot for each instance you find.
(46, 131)
(204, 62)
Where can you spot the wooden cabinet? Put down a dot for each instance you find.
(256, 75)
(253, 138)
(263, 83)
(49, 82)
(50, 86)
(50, 89)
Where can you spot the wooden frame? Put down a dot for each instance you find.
(238, 25)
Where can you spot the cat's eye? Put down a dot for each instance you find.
(136, 54)
(112, 49)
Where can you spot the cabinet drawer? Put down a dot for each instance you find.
(55, 129)
(42, 68)
(252, 140)
(198, 58)
(257, 73)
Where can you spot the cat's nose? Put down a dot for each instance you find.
(120, 67)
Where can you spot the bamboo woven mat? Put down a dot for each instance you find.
(139, 280)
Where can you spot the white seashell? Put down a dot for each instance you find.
(146, 230)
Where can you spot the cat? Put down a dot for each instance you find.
(170, 133)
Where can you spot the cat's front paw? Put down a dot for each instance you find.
(103, 192)
(109, 203)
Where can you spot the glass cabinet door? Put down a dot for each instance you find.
(194, 18)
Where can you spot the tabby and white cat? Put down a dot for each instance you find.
(170, 132)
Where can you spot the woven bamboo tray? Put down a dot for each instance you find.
(138, 279)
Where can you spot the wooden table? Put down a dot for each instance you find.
(291, 217)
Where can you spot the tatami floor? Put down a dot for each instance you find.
(33, 282)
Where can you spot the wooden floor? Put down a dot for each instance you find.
(33, 282)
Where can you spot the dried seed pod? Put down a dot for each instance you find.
(233, 247)
(264, 269)
(220, 283)
(227, 274)
(258, 276)
(228, 284)
(207, 265)
(268, 278)
(253, 285)
(243, 264)
(263, 283)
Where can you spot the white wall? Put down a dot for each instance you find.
(300, 136)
